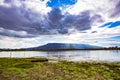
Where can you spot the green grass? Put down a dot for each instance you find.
(24, 69)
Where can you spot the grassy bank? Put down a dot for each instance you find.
(34, 69)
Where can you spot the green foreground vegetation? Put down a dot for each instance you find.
(35, 69)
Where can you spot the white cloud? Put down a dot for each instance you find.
(104, 8)
(12, 42)
(14, 33)
(99, 6)
(39, 8)
(37, 5)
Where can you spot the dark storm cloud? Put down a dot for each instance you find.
(62, 23)
(94, 32)
(116, 10)
(83, 21)
(56, 23)
(8, 1)
(12, 16)
(79, 22)
(97, 18)
(55, 16)
(21, 18)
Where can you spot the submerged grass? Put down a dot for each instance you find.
(24, 69)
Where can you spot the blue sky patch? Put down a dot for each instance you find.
(107, 24)
(116, 37)
(115, 24)
(111, 24)
(59, 3)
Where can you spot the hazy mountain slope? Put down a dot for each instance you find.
(64, 46)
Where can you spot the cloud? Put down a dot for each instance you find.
(55, 16)
(13, 33)
(13, 42)
(79, 22)
(116, 10)
(76, 20)
(37, 18)
(7, 1)
(22, 18)
(62, 23)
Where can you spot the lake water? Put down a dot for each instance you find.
(76, 55)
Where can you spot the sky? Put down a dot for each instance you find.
(30, 23)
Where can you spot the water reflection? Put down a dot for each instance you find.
(78, 55)
(69, 55)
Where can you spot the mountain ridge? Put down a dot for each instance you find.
(64, 46)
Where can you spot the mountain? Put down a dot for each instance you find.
(64, 46)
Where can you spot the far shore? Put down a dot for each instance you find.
(110, 48)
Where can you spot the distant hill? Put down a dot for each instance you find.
(64, 46)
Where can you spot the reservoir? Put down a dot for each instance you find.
(74, 55)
